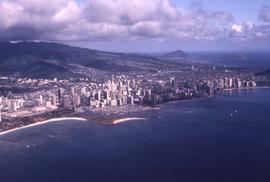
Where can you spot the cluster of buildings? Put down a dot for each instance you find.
(95, 95)
(117, 91)
(227, 83)
(27, 105)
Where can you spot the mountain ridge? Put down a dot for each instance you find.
(47, 57)
(177, 54)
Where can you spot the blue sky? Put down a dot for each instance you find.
(243, 10)
(140, 25)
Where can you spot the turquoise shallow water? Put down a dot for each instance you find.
(223, 138)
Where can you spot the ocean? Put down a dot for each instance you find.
(257, 60)
(222, 138)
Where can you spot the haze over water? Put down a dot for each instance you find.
(223, 138)
(233, 59)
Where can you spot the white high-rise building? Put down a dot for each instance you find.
(99, 95)
(40, 99)
(113, 102)
(54, 100)
(1, 110)
(76, 100)
(130, 100)
(228, 82)
(83, 91)
(66, 101)
(13, 105)
(106, 94)
(237, 83)
(72, 90)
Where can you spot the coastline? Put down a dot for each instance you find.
(210, 96)
(41, 123)
(122, 120)
(114, 122)
(119, 120)
(247, 88)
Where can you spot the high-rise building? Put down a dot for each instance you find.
(76, 100)
(106, 94)
(40, 101)
(125, 100)
(228, 82)
(98, 95)
(60, 93)
(119, 102)
(1, 106)
(72, 90)
(66, 101)
(237, 83)
(130, 100)
(48, 104)
(112, 95)
(171, 81)
(53, 100)
(94, 103)
(113, 102)
(245, 83)
(210, 89)
(149, 94)
(13, 105)
(252, 84)
(119, 94)
(113, 78)
(83, 90)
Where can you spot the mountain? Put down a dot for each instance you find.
(33, 67)
(174, 55)
(46, 60)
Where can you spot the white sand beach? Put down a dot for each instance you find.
(122, 120)
(42, 123)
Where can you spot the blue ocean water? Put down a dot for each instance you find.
(223, 138)
(259, 60)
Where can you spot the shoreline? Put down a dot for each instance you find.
(123, 120)
(210, 96)
(247, 88)
(41, 123)
(114, 122)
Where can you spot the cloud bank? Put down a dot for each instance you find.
(66, 20)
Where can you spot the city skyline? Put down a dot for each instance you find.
(134, 90)
(140, 26)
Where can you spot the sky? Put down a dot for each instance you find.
(140, 25)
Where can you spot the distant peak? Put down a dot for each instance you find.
(177, 54)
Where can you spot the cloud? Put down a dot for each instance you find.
(237, 28)
(263, 32)
(157, 19)
(243, 31)
(66, 20)
(265, 14)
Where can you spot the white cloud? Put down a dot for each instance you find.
(244, 31)
(10, 14)
(69, 13)
(237, 28)
(66, 20)
(265, 14)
